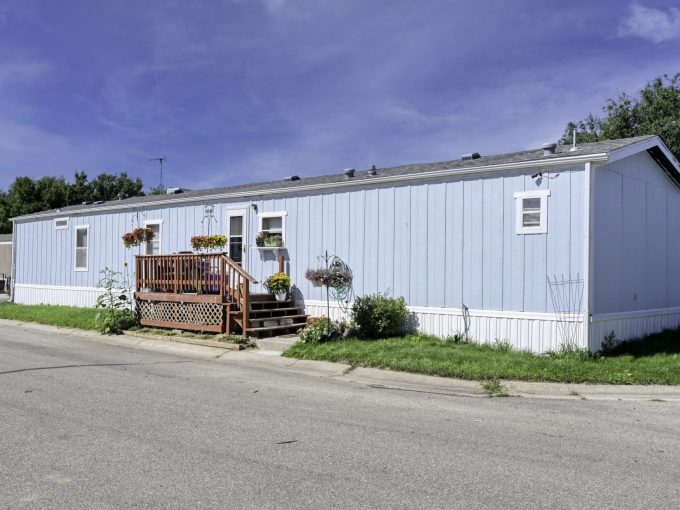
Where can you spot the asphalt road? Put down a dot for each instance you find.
(88, 425)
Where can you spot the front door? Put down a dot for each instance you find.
(237, 232)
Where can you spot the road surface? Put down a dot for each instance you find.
(90, 425)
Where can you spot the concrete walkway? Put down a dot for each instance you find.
(372, 377)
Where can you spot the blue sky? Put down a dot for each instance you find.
(236, 91)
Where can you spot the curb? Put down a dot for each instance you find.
(188, 340)
(371, 377)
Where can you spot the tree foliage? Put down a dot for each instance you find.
(26, 195)
(654, 110)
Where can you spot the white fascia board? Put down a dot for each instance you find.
(643, 145)
(303, 188)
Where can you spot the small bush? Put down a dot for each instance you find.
(114, 303)
(379, 316)
(322, 329)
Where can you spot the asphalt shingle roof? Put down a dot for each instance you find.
(412, 169)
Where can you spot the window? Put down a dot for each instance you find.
(82, 234)
(153, 247)
(60, 223)
(532, 211)
(274, 223)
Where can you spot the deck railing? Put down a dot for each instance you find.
(200, 274)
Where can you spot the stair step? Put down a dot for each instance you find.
(271, 328)
(278, 317)
(274, 302)
(286, 309)
(268, 328)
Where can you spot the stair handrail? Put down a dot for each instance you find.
(228, 260)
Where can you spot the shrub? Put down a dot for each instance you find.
(379, 316)
(115, 304)
(322, 329)
(278, 283)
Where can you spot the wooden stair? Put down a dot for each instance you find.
(266, 317)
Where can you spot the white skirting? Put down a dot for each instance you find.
(632, 325)
(536, 332)
(83, 297)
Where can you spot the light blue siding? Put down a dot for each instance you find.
(438, 244)
(636, 237)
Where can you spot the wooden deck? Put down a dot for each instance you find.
(190, 291)
(207, 293)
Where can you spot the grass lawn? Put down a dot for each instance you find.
(62, 316)
(654, 361)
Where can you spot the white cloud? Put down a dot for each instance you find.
(654, 25)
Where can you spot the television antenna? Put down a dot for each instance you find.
(161, 159)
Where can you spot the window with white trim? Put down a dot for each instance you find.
(273, 224)
(60, 223)
(153, 247)
(532, 211)
(82, 235)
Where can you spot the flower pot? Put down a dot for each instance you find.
(317, 283)
(281, 296)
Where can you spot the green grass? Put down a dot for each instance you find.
(653, 361)
(62, 316)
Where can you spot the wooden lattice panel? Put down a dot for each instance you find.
(177, 313)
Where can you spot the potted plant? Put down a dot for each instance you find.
(212, 242)
(138, 236)
(279, 285)
(259, 240)
(273, 241)
(318, 277)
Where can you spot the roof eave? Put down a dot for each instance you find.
(302, 188)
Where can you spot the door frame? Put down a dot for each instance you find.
(243, 212)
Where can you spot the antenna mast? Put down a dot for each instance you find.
(161, 159)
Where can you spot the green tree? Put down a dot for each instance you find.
(26, 195)
(654, 110)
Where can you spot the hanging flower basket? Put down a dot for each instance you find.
(339, 278)
(213, 242)
(138, 236)
(318, 277)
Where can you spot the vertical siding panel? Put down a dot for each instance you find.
(386, 247)
(655, 242)
(576, 227)
(402, 242)
(473, 234)
(453, 281)
(418, 272)
(371, 259)
(437, 256)
(608, 215)
(328, 226)
(493, 244)
(673, 248)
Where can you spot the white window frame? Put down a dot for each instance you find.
(275, 214)
(542, 228)
(160, 235)
(76, 228)
(56, 227)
